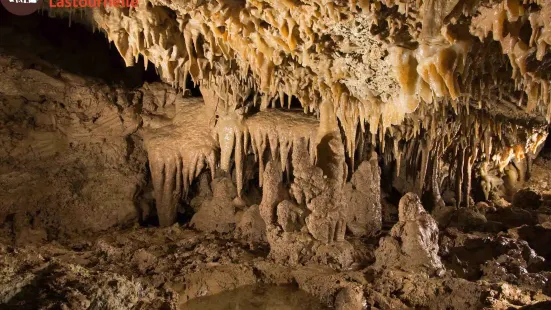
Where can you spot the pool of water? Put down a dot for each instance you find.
(257, 297)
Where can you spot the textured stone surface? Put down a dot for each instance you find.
(69, 164)
(362, 197)
(309, 110)
(217, 214)
(413, 241)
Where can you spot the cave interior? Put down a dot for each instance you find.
(259, 154)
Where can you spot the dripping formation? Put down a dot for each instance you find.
(254, 54)
(386, 136)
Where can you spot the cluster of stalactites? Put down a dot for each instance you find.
(441, 65)
(462, 142)
(181, 148)
(178, 151)
(260, 47)
(227, 46)
(272, 130)
(269, 51)
(505, 21)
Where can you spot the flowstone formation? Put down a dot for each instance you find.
(375, 154)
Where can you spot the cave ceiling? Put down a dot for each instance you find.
(463, 82)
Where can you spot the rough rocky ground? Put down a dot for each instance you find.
(162, 268)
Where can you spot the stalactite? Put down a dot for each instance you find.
(178, 151)
(443, 86)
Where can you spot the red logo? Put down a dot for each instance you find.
(26, 7)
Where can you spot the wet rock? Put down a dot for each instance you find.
(290, 248)
(25, 232)
(477, 254)
(512, 268)
(468, 219)
(375, 299)
(321, 238)
(544, 305)
(485, 207)
(223, 188)
(257, 296)
(295, 248)
(511, 217)
(350, 298)
(144, 260)
(270, 272)
(326, 222)
(538, 237)
(82, 289)
(30, 236)
(443, 214)
(449, 197)
(326, 284)
(273, 192)
(506, 296)
(413, 241)
(405, 290)
(463, 253)
(320, 188)
(364, 251)
(203, 191)
(339, 255)
(216, 279)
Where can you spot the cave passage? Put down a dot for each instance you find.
(342, 155)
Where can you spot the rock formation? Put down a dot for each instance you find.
(387, 154)
(413, 241)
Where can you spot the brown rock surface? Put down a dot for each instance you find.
(413, 241)
(252, 156)
(363, 199)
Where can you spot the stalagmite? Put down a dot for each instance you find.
(413, 241)
(363, 199)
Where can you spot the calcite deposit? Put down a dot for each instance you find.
(287, 154)
(413, 242)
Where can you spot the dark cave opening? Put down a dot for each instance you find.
(75, 49)
(291, 104)
(192, 89)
